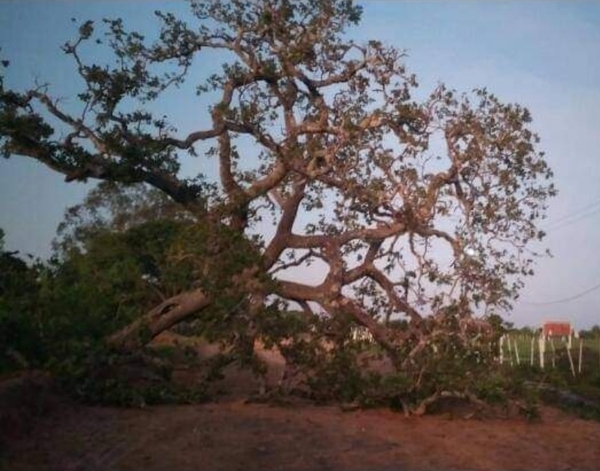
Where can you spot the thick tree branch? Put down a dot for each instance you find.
(162, 317)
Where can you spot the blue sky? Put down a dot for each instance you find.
(544, 55)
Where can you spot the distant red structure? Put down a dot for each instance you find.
(557, 329)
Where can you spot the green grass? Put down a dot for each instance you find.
(557, 372)
(590, 353)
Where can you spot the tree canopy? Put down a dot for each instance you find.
(423, 210)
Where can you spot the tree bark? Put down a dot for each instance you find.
(158, 319)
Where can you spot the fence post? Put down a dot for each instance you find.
(542, 345)
(553, 353)
(532, 351)
(517, 352)
(570, 359)
(580, 354)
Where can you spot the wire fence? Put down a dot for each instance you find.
(579, 355)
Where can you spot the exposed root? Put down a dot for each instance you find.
(421, 409)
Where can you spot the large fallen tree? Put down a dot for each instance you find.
(311, 145)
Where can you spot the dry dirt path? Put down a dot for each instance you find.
(234, 435)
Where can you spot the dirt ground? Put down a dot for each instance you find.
(41, 431)
(235, 435)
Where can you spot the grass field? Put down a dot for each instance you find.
(555, 354)
(571, 376)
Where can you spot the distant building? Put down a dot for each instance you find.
(557, 329)
(362, 333)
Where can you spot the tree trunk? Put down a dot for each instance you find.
(158, 319)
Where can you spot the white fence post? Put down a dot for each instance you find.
(532, 351)
(542, 345)
(570, 359)
(580, 354)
